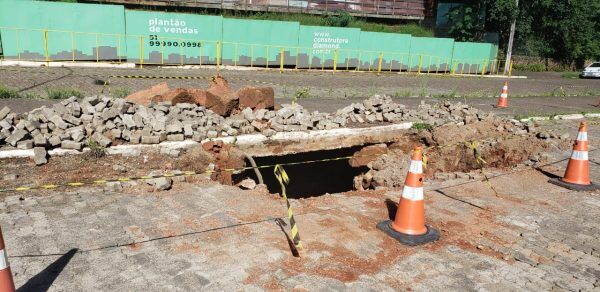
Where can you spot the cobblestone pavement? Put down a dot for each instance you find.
(325, 91)
(532, 236)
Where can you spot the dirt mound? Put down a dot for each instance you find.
(499, 143)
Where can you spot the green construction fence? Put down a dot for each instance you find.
(172, 38)
(54, 31)
(321, 46)
(392, 49)
(259, 42)
(42, 31)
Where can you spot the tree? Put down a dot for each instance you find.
(469, 22)
(568, 31)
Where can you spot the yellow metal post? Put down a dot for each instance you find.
(162, 56)
(429, 64)
(335, 59)
(72, 47)
(119, 48)
(323, 60)
(141, 51)
(454, 67)
(348, 60)
(251, 56)
(420, 64)
(370, 61)
(235, 60)
(281, 61)
(181, 50)
(46, 45)
(17, 44)
(218, 55)
(97, 50)
(483, 68)
(310, 59)
(297, 51)
(379, 63)
(510, 69)
(200, 56)
(267, 62)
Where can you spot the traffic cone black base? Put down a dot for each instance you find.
(408, 239)
(574, 187)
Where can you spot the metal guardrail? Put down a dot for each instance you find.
(399, 9)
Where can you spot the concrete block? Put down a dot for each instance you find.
(25, 144)
(150, 139)
(68, 144)
(40, 156)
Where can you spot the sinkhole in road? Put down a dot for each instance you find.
(326, 174)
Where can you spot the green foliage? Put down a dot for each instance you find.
(570, 75)
(62, 93)
(302, 93)
(422, 126)
(96, 150)
(344, 19)
(6, 92)
(121, 92)
(568, 31)
(537, 67)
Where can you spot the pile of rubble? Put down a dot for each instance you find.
(73, 124)
(383, 109)
(218, 97)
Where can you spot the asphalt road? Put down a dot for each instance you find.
(540, 93)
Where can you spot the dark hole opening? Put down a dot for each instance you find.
(310, 179)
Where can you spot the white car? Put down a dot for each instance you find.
(591, 71)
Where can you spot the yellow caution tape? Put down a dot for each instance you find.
(284, 179)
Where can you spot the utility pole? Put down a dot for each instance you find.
(510, 43)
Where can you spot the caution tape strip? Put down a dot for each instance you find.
(158, 77)
(284, 179)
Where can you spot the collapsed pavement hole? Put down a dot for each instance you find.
(310, 179)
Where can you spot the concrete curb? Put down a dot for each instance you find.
(9, 63)
(254, 142)
(562, 117)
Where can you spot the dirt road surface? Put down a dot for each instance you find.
(324, 91)
(531, 236)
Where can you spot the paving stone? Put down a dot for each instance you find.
(40, 156)
(68, 144)
(150, 139)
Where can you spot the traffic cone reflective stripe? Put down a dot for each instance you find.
(503, 100)
(579, 155)
(6, 278)
(578, 168)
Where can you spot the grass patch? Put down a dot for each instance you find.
(96, 150)
(446, 95)
(62, 93)
(422, 127)
(570, 75)
(121, 92)
(403, 93)
(302, 93)
(6, 92)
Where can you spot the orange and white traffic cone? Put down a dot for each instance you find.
(409, 226)
(6, 278)
(577, 175)
(503, 99)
